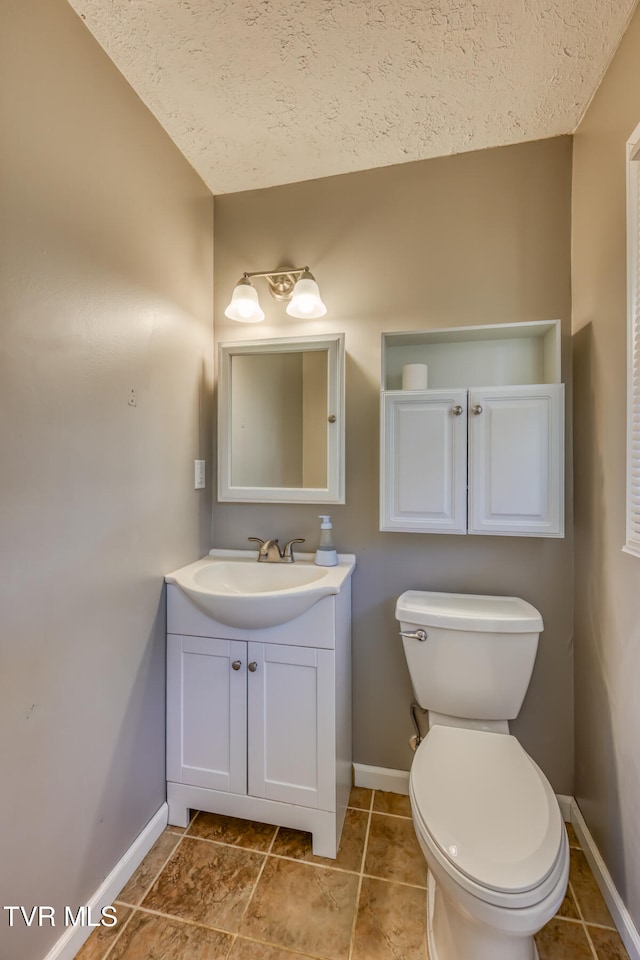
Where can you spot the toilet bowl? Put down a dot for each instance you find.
(485, 815)
(490, 829)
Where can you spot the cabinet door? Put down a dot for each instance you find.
(207, 713)
(292, 724)
(516, 463)
(423, 467)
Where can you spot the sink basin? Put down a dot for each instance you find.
(248, 576)
(233, 588)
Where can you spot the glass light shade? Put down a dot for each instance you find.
(305, 299)
(244, 306)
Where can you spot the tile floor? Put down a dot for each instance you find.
(228, 889)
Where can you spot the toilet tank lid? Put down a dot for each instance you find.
(468, 611)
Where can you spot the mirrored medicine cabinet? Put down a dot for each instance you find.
(281, 420)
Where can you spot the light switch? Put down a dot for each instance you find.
(199, 474)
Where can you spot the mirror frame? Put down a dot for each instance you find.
(334, 492)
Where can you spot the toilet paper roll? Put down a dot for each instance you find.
(414, 376)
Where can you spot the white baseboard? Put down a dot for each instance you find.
(397, 781)
(565, 803)
(72, 939)
(621, 916)
(381, 778)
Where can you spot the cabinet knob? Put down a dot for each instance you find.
(332, 418)
(253, 666)
(236, 664)
(457, 410)
(476, 408)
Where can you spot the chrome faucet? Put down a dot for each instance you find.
(269, 551)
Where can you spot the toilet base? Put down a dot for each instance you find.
(454, 935)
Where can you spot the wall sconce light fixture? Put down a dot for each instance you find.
(295, 284)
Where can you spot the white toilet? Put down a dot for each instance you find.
(485, 815)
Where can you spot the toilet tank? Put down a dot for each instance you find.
(478, 655)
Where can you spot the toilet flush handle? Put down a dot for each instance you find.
(420, 635)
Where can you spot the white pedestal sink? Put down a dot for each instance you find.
(233, 588)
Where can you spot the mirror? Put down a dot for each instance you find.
(281, 420)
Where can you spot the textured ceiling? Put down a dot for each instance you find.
(263, 92)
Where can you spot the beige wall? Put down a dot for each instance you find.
(106, 262)
(607, 608)
(472, 239)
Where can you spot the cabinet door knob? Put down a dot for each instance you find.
(236, 664)
(476, 408)
(457, 410)
(253, 666)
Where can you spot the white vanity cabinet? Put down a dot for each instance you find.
(482, 450)
(259, 721)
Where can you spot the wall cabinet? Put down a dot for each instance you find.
(259, 722)
(482, 450)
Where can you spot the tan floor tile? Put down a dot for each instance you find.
(252, 950)
(135, 889)
(297, 844)
(360, 797)
(587, 892)
(563, 940)
(207, 883)
(394, 803)
(573, 837)
(568, 907)
(233, 830)
(608, 944)
(393, 852)
(391, 922)
(147, 937)
(304, 908)
(102, 938)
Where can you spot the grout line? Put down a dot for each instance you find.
(184, 920)
(401, 883)
(231, 846)
(157, 874)
(205, 926)
(260, 872)
(361, 874)
(312, 863)
(590, 941)
(383, 813)
(584, 926)
(132, 910)
(279, 947)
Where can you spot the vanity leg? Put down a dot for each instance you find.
(178, 813)
(324, 842)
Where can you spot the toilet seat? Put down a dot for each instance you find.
(488, 815)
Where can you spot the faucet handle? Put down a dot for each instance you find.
(259, 542)
(287, 553)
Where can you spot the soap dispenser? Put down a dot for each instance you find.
(326, 555)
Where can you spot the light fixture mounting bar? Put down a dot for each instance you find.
(281, 282)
